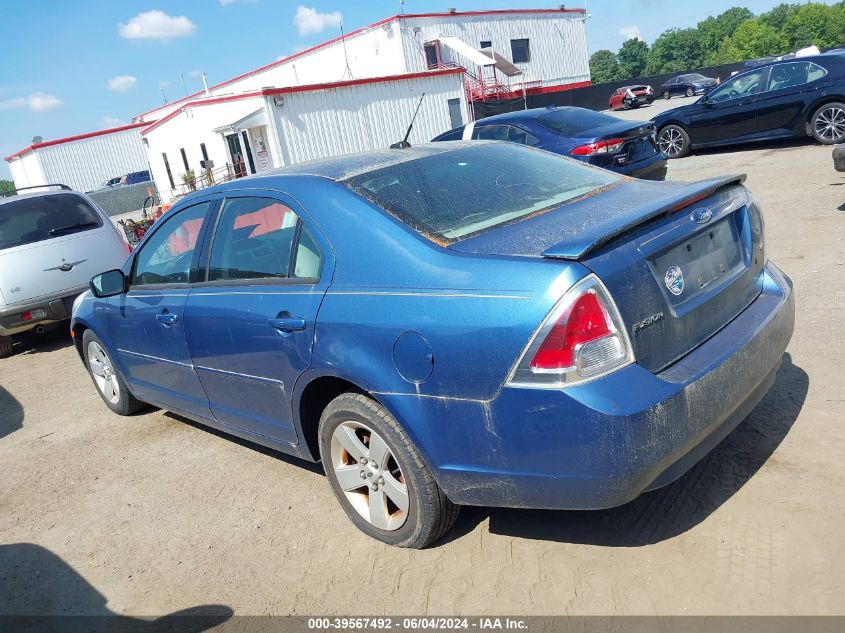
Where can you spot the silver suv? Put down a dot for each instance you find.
(51, 244)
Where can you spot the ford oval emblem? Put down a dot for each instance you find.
(674, 280)
(701, 215)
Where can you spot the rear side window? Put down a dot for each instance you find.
(452, 135)
(261, 238)
(38, 218)
(452, 195)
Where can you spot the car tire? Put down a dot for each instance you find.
(690, 92)
(406, 508)
(5, 346)
(106, 378)
(827, 125)
(674, 141)
(666, 95)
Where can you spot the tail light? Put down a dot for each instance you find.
(599, 147)
(582, 338)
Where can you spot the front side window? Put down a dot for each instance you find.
(38, 218)
(737, 87)
(255, 239)
(520, 51)
(455, 194)
(518, 135)
(167, 256)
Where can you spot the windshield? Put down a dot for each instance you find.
(38, 218)
(695, 77)
(573, 121)
(456, 194)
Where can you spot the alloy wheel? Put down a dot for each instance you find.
(671, 142)
(830, 124)
(369, 475)
(103, 372)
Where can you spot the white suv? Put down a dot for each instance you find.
(51, 244)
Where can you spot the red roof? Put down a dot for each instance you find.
(393, 18)
(78, 137)
(309, 88)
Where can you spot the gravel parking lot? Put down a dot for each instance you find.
(152, 514)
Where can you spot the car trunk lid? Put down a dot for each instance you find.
(680, 259)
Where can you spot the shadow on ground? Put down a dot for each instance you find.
(670, 511)
(41, 592)
(56, 336)
(258, 448)
(11, 413)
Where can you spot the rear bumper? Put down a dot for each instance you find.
(653, 168)
(603, 443)
(57, 307)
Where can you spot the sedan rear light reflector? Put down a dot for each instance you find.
(582, 338)
(599, 147)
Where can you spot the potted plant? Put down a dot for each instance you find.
(190, 179)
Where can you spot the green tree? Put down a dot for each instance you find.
(632, 58)
(604, 67)
(815, 24)
(714, 30)
(777, 17)
(752, 39)
(675, 50)
(6, 185)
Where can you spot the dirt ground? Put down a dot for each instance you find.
(152, 514)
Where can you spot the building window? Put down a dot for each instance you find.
(432, 55)
(520, 52)
(169, 174)
(185, 160)
(204, 152)
(486, 44)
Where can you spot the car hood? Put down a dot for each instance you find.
(675, 113)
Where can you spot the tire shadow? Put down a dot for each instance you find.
(662, 514)
(11, 413)
(55, 337)
(41, 592)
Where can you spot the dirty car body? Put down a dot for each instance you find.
(459, 320)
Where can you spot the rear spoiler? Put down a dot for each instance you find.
(615, 219)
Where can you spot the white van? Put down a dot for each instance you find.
(51, 244)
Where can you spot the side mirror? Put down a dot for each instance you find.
(108, 284)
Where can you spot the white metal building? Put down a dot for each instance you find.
(360, 91)
(82, 162)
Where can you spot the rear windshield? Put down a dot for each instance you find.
(571, 122)
(38, 218)
(694, 77)
(456, 194)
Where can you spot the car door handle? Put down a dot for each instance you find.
(287, 324)
(166, 318)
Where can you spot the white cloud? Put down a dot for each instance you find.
(630, 32)
(110, 121)
(312, 21)
(156, 25)
(36, 102)
(122, 83)
(163, 84)
(195, 73)
(226, 3)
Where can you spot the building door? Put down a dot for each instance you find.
(236, 154)
(248, 150)
(455, 113)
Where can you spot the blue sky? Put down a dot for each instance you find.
(73, 67)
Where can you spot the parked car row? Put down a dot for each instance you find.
(127, 179)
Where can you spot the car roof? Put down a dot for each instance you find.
(33, 194)
(531, 113)
(347, 166)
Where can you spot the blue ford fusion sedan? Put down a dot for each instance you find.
(457, 323)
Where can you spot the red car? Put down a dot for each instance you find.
(631, 97)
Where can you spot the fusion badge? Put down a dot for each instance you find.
(674, 280)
